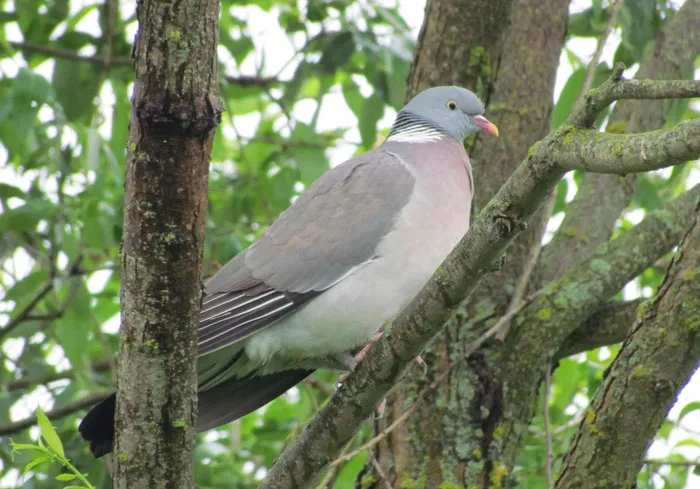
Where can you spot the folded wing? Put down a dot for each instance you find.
(330, 231)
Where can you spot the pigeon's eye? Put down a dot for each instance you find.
(452, 105)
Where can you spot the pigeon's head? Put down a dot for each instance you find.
(453, 110)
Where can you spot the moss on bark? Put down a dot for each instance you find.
(174, 115)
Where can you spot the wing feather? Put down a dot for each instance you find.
(331, 230)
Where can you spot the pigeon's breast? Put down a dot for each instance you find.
(346, 315)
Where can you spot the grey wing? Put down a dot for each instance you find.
(331, 230)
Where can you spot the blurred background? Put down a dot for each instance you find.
(305, 84)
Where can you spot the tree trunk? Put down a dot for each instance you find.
(655, 362)
(175, 112)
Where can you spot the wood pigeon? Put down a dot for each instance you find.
(346, 257)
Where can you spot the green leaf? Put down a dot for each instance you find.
(646, 193)
(688, 442)
(689, 408)
(639, 21)
(65, 477)
(72, 329)
(623, 54)
(48, 433)
(562, 190)
(353, 97)
(7, 191)
(32, 86)
(17, 447)
(398, 69)
(572, 91)
(585, 24)
(309, 154)
(349, 473)
(666, 428)
(75, 77)
(27, 216)
(242, 100)
(338, 52)
(36, 462)
(567, 97)
(28, 286)
(372, 111)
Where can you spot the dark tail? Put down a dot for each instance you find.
(224, 403)
(97, 427)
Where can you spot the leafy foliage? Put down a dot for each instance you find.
(51, 452)
(65, 84)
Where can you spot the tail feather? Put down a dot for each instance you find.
(97, 427)
(235, 398)
(222, 404)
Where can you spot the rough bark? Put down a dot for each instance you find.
(541, 328)
(175, 111)
(460, 43)
(654, 364)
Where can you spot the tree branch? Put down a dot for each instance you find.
(69, 54)
(609, 325)
(682, 463)
(26, 383)
(542, 327)
(602, 41)
(493, 229)
(108, 62)
(635, 153)
(24, 313)
(61, 412)
(598, 99)
(652, 367)
(591, 216)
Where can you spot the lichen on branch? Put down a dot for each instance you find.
(494, 228)
(654, 364)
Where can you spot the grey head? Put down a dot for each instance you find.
(439, 111)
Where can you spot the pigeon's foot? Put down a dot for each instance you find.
(352, 362)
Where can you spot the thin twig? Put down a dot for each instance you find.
(516, 303)
(332, 473)
(109, 62)
(682, 463)
(24, 313)
(572, 423)
(324, 387)
(63, 411)
(69, 54)
(602, 41)
(503, 324)
(421, 396)
(380, 472)
(548, 427)
(26, 383)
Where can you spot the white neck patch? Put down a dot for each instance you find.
(409, 128)
(416, 134)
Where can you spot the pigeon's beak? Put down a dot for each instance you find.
(486, 125)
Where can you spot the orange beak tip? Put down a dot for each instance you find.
(486, 125)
